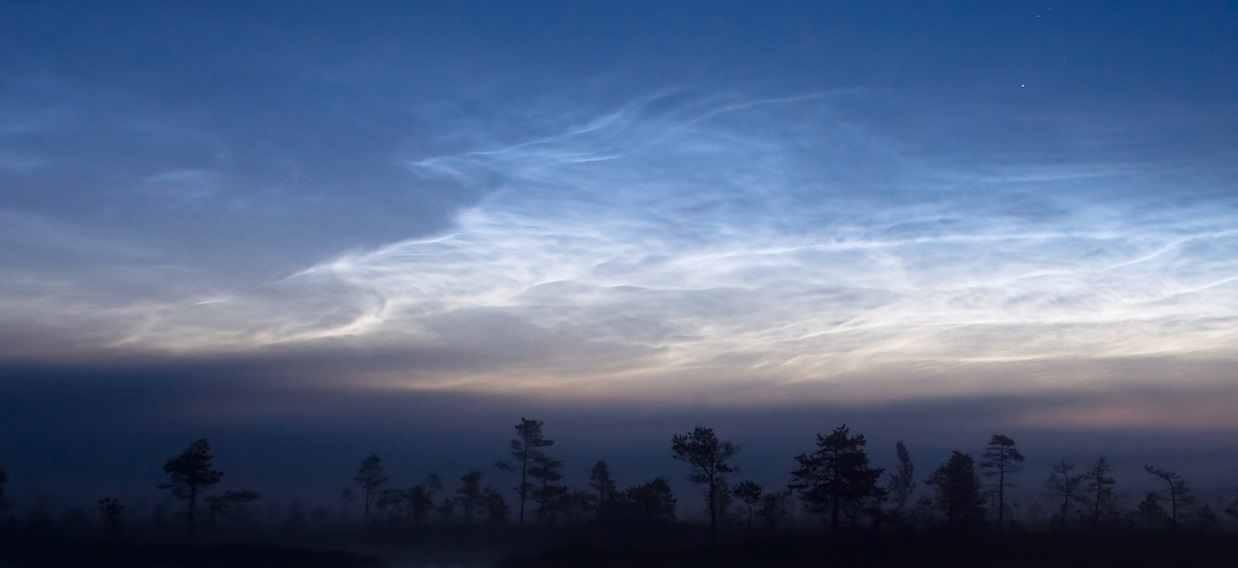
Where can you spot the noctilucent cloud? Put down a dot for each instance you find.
(887, 201)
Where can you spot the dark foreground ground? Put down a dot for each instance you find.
(177, 555)
(927, 550)
(667, 547)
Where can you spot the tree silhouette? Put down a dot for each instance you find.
(1179, 493)
(1150, 511)
(836, 476)
(710, 460)
(111, 512)
(749, 493)
(421, 502)
(370, 478)
(1100, 484)
(957, 490)
(903, 478)
(1205, 519)
(774, 508)
(393, 504)
(421, 498)
(189, 474)
(495, 506)
(446, 509)
(546, 473)
(652, 502)
(469, 494)
(526, 448)
(722, 501)
(602, 484)
(1065, 484)
(578, 504)
(231, 502)
(1001, 460)
(1034, 513)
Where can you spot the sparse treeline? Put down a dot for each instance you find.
(834, 483)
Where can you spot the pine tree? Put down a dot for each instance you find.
(749, 493)
(902, 479)
(601, 483)
(651, 502)
(495, 506)
(1001, 460)
(1065, 484)
(229, 503)
(189, 475)
(469, 494)
(1100, 484)
(111, 511)
(710, 459)
(957, 490)
(421, 498)
(546, 473)
(837, 475)
(1179, 493)
(526, 447)
(370, 477)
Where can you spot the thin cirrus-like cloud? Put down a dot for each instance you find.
(782, 238)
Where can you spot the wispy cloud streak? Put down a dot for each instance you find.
(788, 239)
(781, 233)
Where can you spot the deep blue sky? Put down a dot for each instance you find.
(311, 232)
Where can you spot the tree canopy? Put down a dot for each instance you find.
(836, 478)
(710, 460)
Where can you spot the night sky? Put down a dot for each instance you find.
(311, 232)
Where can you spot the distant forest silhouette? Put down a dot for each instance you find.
(836, 509)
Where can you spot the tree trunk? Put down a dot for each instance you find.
(713, 510)
(834, 489)
(1173, 508)
(193, 510)
(524, 482)
(1001, 494)
(1065, 508)
(834, 513)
